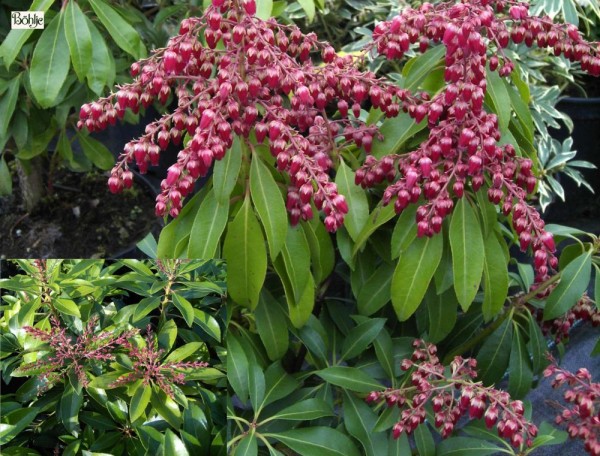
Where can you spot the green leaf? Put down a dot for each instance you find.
(323, 441)
(574, 280)
(123, 34)
(256, 385)
(496, 90)
(263, 9)
(208, 323)
(237, 367)
(358, 206)
(537, 344)
(97, 152)
(377, 218)
(269, 205)
(50, 63)
(495, 277)
(360, 420)
(278, 384)
(185, 308)
(226, 172)
(67, 306)
(413, 273)
(360, 337)
(139, 402)
(309, 409)
(405, 231)
(314, 342)
(520, 374)
(166, 407)
(144, 307)
(466, 446)
(466, 243)
(321, 249)
(79, 39)
(5, 178)
(183, 352)
(296, 258)
(272, 327)
(207, 229)
(101, 71)
(70, 404)
(309, 8)
(173, 445)
(549, 435)
(376, 292)
(14, 422)
(246, 255)
(494, 354)
(396, 131)
(8, 101)
(16, 38)
(247, 446)
(350, 378)
(384, 350)
(418, 68)
(442, 313)
(177, 231)
(424, 441)
(148, 246)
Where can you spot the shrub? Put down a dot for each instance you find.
(117, 358)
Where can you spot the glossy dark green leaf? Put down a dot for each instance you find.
(101, 71)
(145, 306)
(50, 63)
(278, 383)
(322, 441)
(139, 402)
(67, 306)
(208, 323)
(123, 34)
(256, 384)
(237, 367)
(315, 342)
(185, 307)
(413, 273)
(384, 350)
(16, 38)
(442, 313)
(574, 280)
(399, 446)
(296, 258)
(396, 132)
(493, 357)
(173, 445)
(350, 378)
(166, 407)
(226, 172)
(376, 292)
(246, 256)
(269, 205)
(14, 422)
(537, 344)
(358, 206)
(360, 337)
(549, 435)
(495, 277)
(70, 404)
(98, 421)
(185, 351)
(271, 325)
(207, 229)
(466, 243)
(79, 39)
(378, 217)
(520, 374)
(360, 420)
(308, 409)
(8, 102)
(466, 446)
(497, 92)
(97, 152)
(321, 249)
(418, 68)
(424, 440)
(5, 177)
(247, 446)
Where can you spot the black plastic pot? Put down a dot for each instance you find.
(581, 206)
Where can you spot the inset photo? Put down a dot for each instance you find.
(113, 357)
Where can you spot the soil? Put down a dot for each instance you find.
(80, 219)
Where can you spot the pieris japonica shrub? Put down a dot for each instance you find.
(120, 358)
(358, 213)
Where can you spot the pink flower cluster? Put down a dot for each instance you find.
(68, 353)
(453, 394)
(582, 416)
(241, 89)
(148, 365)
